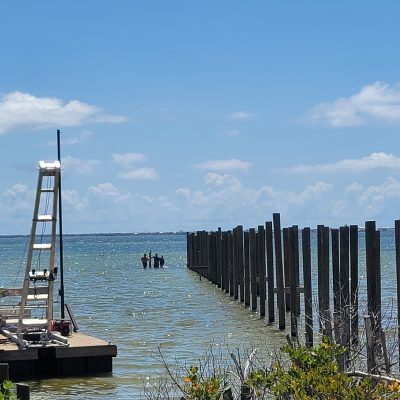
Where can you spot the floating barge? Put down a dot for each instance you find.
(35, 342)
(84, 355)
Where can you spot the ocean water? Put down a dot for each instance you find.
(115, 299)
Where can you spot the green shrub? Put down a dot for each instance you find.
(314, 374)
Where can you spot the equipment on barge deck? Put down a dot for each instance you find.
(31, 321)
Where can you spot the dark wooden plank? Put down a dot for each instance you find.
(370, 254)
(279, 271)
(261, 264)
(253, 268)
(345, 291)
(240, 262)
(335, 270)
(293, 288)
(270, 271)
(246, 243)
(230, 262)
(397, 245)
(235, 264)
(306, 247)
(325, 311)
(354, 283)
(286, 265)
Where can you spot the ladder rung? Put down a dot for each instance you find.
(32, 322)
(37, 297)
(44, 218)
(42, 246)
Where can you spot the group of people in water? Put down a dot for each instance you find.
(158, 261)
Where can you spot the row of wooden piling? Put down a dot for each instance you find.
(261, 268)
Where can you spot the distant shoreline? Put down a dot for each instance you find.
(180, 233)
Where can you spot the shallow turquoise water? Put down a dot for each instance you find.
(113, 298)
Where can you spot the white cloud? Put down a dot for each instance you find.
(373, 161)
(144, 173)
(127, 159)
(15, 190)
(377, 102)
(355, 187)
(104, 190)
(224, 165)
(375, 195)
(240, 116)
(23, 110)
(77, 166)
(215, 179)
(72, 200)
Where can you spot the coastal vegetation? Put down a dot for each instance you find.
(296, 373)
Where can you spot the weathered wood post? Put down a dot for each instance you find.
(206, 258)
(336, 283)
(230, 262)
(240, 262)
(246, 268)
(188, 249)
(4, 372)
(253, 268)
(397, 243)
(224, 258)
(373, 275)
(354, 283)
(270, 271)
(261, 264)
(279, 271)
(345, 292)
(286, 265)
(293, 287)
(306, 246)
(23, 391)
(219, 258)
(324, 282)
(236, 264)
(212, 266)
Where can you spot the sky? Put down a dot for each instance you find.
(183, 115)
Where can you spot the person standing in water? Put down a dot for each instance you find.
(156, 261)
(150, 258)
(162, 261)
(144, 260)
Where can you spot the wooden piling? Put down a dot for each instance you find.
(286, 265)
(279, 271)
(23, 391)
(372, 274)
(253, 268)
(397, 245)
(230, 262)
(240, 265)
(354, 283)
(262, 270)
(324, 281)
(293, 287)
(246, 243)
(344, 292)
(335, 271)
(306, 246)
(270, 272)
(235, 264)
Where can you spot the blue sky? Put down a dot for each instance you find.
(185, 115)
